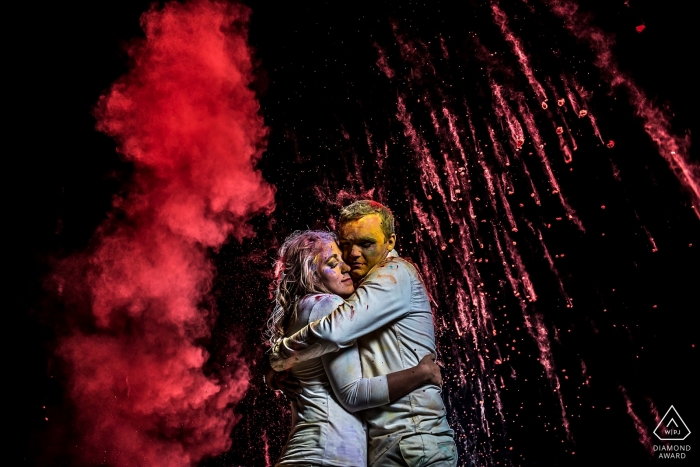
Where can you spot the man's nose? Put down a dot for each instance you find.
(355, 251)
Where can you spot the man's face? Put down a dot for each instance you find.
(363, 244)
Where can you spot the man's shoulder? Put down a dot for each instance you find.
(397, 262)
(395, 267)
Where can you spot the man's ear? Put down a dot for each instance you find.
(391, 242)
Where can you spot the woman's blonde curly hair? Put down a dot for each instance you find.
(295, 277)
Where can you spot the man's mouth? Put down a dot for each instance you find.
(356, 265)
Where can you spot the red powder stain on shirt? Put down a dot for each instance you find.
(389, 276)
(640, 28)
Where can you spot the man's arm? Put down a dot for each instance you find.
(382, 298)
(356, 393)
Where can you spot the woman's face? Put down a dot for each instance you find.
(333, 272)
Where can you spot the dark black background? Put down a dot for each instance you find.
(62, 175)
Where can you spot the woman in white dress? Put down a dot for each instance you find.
(311, 280)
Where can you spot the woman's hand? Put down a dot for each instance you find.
(287, 384)
(282, 381)
(430, 369)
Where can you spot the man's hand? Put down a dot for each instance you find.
(431, 370)
(282, 381)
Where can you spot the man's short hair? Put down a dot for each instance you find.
(365, 207)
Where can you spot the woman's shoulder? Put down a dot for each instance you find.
(318, 305)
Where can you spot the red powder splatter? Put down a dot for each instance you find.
(537, 329)
(382, 63)
(553, 268)
(185, 117)
(539, 149)
(611, 144)
(642, 430)
(657, 121)
(504, 111)
(640, 28)
(502, 21)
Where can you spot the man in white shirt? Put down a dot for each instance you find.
(390, 318)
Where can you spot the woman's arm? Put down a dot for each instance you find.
(356, 393)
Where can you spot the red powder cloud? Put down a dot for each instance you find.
(184, 115)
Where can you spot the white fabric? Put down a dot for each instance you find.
(390, 318)
(323, 433)
(421, 450)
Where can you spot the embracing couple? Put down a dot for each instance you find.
(353, 325)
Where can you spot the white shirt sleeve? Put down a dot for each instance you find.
(344, 369)
(383, 297)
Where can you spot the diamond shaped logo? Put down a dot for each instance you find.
(672, 427)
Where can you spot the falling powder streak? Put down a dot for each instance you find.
(455, 137)
(596, 131)
(539, 149)
(453, 185)
(382, 62)
(522, 272)
(266, 447)
(642, 430)
(553, 268)
(429, 177)
(582, 96)
(502, 22)
(654, 249)
(506, 206)
(504, 112)
(499, 153)
(511, 279)
(538, 331)
(573, 98)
